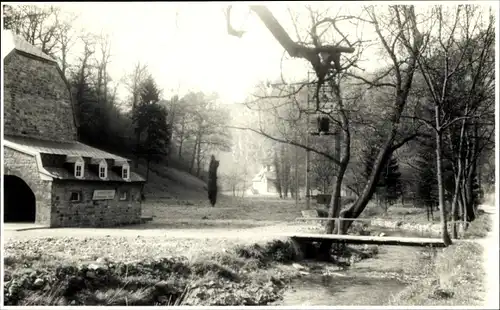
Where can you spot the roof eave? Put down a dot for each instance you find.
(44, 174)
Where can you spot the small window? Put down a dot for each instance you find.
(126, 172)
(124, 195)
(79, 169)
(103, 170)
(75, 197)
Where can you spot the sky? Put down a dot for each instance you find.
(186, 45)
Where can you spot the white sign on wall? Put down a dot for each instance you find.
(103, 194)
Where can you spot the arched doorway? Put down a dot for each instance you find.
(18, 200)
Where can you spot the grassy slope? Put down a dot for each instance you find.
(169, 182)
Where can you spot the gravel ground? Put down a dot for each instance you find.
(130, 244)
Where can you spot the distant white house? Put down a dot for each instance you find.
(264, 183)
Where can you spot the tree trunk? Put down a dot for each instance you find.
(181, 136)
(343, 153)
(439, 174)
(147, 168)
(469, 196)
(454, 208)
(355, 210)
(193, 156)
(244, 187)
(137, 146)
(198, 159)
(277, 171)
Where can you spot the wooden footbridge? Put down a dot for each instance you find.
(378, 240)
(348, 239)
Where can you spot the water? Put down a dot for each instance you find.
(363, 284)
(403, 233)
(318, 290)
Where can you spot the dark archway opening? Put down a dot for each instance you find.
(18, 201)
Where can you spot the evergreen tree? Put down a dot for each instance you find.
(391, 181)
(369, 159)
(212, 180)
(153, 132)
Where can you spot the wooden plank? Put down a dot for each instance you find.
(405, 241)
(333, 218)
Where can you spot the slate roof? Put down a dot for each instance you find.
(62, 148)
(73, 149)
(65, 174)
(12, 41)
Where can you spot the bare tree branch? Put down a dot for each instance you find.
(307, 148)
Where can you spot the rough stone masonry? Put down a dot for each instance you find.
(40, 136)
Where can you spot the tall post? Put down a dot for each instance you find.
(296, 174)
(308, 189)
(296, 165)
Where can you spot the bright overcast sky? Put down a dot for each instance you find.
(186, 45)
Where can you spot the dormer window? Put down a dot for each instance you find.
(126, 171)
(103, 169)
(79, 166)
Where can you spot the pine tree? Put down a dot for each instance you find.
(427, 183)
(153, 133)
(391, 180)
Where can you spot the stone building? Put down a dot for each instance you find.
(49, 177)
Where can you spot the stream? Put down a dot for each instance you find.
(370, 282)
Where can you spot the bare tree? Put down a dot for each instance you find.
(133, 82)
(38, 25)
(446, 55)
(325, 61)
(104, 43)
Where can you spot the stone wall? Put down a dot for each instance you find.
(94, 213)
(37, 101)
(24, 166)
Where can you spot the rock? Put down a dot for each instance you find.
(168, 287)
(91, 274)
(440, 293)
(298, 266)
(304, 273)
(9, 260)
(162, 299)
(381, 234)
(96, 267)
(38, 282)
(101, 260)
(7, 276)
(14, 288)
(33, 274)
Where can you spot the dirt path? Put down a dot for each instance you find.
(145, 231)
(490, 259)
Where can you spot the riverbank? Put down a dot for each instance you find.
(227, 277)
(231, 274)
(454, 278)
(458, 276)
(248, 270)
